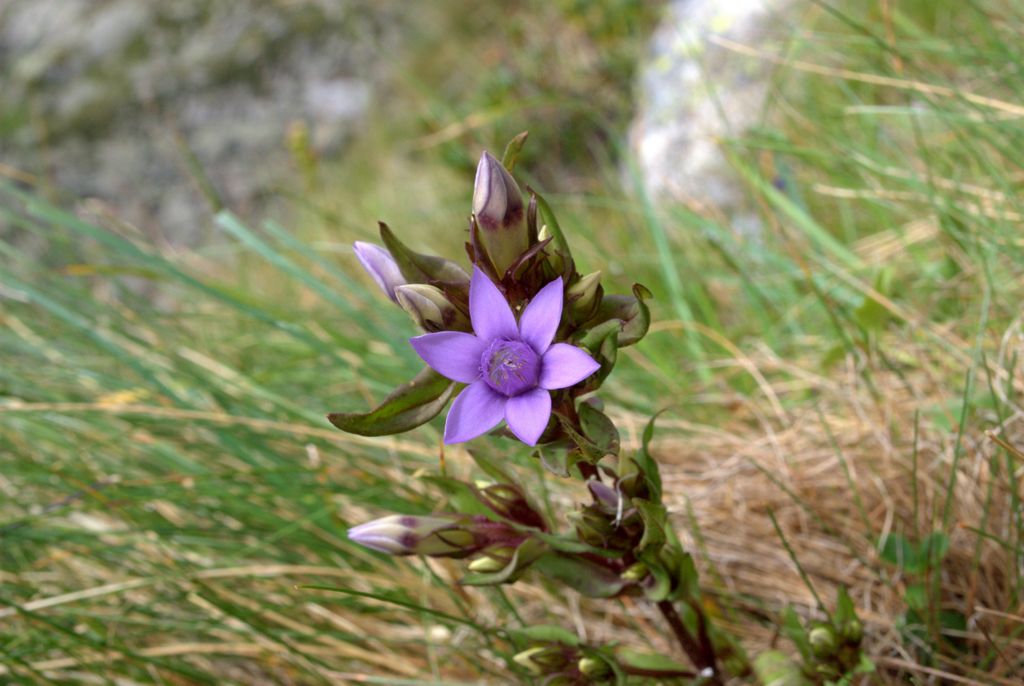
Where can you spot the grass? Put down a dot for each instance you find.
(174, 503)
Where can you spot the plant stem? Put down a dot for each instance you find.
(656, 673)
(702, 656)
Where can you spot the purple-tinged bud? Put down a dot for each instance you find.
(500, 213)
(435, 535)
(604, 494)
(509, 502)
(430, 309)
(379, 264)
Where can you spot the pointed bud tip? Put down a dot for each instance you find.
(380, 265)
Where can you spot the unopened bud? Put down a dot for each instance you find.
(541, 660)
(498, 208)
(852, 631)
(823, 640)
(439, 535)
(582, 296)
(379, 264)
(604, 494)
(429, 308)
(636, 572)
(494, 561)
(593, 668)
(508, 502)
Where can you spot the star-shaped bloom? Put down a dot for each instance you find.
(511, 367)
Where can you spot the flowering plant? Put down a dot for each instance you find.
(537, 373)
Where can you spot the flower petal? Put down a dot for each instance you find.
(541, 317)
(379, 264)
(565, 365)
(527, 414)
(476, 411)
(491, 315)
(451, 353)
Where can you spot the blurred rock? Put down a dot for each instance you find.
(112, 98)
(694, 93)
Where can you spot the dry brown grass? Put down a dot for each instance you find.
(839, 474)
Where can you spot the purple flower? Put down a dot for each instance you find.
(510, 368)
(379, 264)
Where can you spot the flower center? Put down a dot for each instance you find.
(510, 367)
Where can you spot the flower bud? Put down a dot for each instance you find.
(593, 668)
(852, 631)
(636, 572)
(436, 535)
(500, 215)
(604, 494)
(429, 308)
(541, 660)
(494, 560)
(379, 264)
(823, 640)
(508, 502)
(583, 296)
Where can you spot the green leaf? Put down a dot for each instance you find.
(898, 551)
(629, 313)
(588, 578)
(461, 495)
(932, 550)
(647, 464)
(556, 459)
(872, 315)
(650, 661)
(684, 571)
(602, 342)
(917, 597)
(492, 469)
(410, 405)
(527, 552)
(654, 516)
(512, 150)
(599, 429)
(793, 629)
(561, 245)
(428, 269)
(919, 558)
(773, 668)
(845, 610)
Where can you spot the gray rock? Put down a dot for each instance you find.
(108, 98)
(693, 93)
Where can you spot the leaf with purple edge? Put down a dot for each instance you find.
(412, 404)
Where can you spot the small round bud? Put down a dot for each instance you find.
(593, 667)
(636, 572)
(852, 631)
(823, 640)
